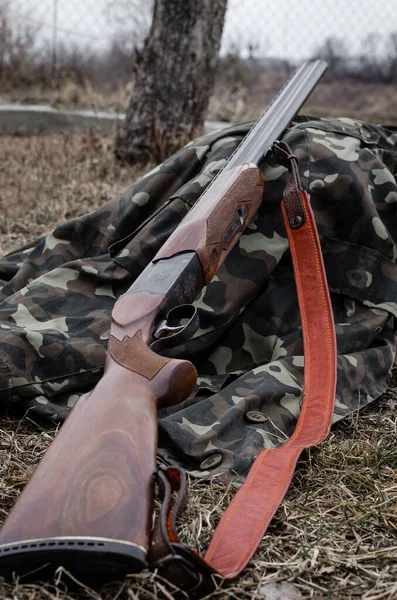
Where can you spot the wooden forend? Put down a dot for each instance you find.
(235, 193)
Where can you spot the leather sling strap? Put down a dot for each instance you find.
(246, 519)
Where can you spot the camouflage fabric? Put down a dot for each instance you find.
(57, 295)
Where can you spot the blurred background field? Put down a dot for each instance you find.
(82, 53)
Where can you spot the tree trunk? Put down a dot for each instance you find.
(174, 79)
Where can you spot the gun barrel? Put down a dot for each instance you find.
(278, 114)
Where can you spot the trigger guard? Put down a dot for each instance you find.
(177, 334)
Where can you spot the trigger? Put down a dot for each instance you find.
(181, 324)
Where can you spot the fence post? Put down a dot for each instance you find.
(54, 44)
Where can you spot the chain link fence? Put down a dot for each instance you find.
(82, 52)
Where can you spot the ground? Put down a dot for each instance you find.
(240, 94)
(335, 535)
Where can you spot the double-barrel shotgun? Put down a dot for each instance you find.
(89, 505)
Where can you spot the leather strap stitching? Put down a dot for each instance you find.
(293, 442)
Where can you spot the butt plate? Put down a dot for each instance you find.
(91, 561)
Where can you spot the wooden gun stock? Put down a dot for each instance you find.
(89, 503)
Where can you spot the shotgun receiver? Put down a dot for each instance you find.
(88, 507)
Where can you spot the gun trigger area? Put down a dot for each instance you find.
(181, 324)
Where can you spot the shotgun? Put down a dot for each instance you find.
(89, 505)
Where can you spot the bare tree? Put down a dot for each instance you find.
(174, 78)
(335, 52)
(391, 59)
(130, 20)
(379, 58)
(18, 52)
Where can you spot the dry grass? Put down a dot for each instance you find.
(239, 95)
(70, 94)
(335, 535)
(375, 103)
(45, 180)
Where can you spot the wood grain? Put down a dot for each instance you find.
(204, 227)
(96, 479)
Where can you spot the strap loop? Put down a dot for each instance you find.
(175, 561)
(293, 192)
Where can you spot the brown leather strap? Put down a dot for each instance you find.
(246, 519)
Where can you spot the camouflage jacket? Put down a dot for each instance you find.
(57, 295)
